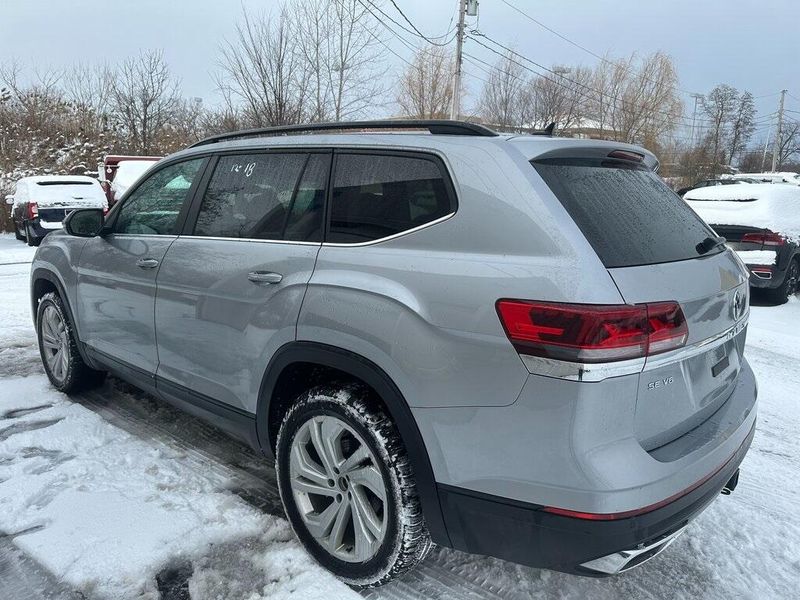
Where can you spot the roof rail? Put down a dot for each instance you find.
(434, 126)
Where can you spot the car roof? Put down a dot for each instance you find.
(530, 146)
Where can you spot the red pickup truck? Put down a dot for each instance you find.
(118, 173)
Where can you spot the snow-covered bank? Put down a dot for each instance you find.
(110, 492)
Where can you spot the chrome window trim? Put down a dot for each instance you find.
(393, 236)
(594, 372)
(258, 240)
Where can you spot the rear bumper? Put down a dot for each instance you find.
(523, 533)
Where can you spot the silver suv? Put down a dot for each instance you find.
(519, 346)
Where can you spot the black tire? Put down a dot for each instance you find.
(32, 239)
(77, 374)
(17, 234)
(789, 287)
(406, 541)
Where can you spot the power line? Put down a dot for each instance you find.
(414, 32)
(414, 27)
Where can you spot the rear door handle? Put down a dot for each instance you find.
(264, 277)
(147, 263)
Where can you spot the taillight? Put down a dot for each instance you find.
(765, 238)
(591, 333)
(33, 210)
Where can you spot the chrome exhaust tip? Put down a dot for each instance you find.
(624, 560)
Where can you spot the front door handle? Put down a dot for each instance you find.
(264, 277)
(147, 263)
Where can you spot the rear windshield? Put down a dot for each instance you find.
(628, 215)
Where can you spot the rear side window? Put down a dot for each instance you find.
(375, 196)
(265, 196)
(628, 215)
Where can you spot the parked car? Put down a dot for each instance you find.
(40, 203)
(762, 223)
(118, 173)
(518, 346)
(710, 183)
(769, 177)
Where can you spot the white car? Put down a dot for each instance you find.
(40, 203)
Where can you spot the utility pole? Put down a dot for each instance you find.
(697, 98)
(455, 105)
(776, 148)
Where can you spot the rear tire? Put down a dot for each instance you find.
(32, 239)
(58, 347)
(17, 234)
(354, 504)
(789, 287)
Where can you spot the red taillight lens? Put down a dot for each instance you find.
(33, 210)
(766, 238)
(591, 333)
(667, 327)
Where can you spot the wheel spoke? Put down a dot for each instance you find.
(366, 513)
(363, 537)
(304, 466)
(64, 361)
(55, 365)
(370, 478)
(322, 448)
(48, 341)
(360, 455)
(308, 487)
(319, 525)
(343, 517)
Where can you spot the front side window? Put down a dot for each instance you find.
(153, 207)
(376, 196)
(267, 196)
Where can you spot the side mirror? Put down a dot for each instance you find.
(86, 222)
(9, 199)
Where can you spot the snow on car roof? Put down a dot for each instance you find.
(764, 205)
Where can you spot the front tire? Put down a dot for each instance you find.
(347, 487)
(58, 348)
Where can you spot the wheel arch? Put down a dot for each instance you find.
(323, 356)
(44, 281)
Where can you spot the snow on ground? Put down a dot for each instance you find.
(121, 496)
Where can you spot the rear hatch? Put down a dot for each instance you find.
(56, 199)
(652, 244)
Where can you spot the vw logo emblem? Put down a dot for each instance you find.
(738, 305)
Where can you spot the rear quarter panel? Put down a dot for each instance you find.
(422, 305)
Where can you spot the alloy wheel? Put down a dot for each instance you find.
(338, 489)
(55, 342)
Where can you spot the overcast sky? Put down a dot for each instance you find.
(750, 44)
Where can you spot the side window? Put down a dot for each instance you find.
(378, 196)
(266, 196)
(153, 207)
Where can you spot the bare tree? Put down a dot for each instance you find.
(742, 125)
(425, 88)
(720, 106)
(789, 145)
(557, 97)
(144, 98)
(263, 69)
(635, 100)
(502, 96)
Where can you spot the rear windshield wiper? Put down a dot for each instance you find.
(708, 244)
